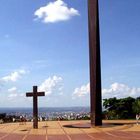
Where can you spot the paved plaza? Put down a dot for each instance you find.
(55, 130)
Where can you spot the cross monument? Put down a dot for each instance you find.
(35, 94)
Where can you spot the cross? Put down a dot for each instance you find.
(35, 94)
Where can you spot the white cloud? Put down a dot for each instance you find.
(13, 89)
(116, 90)
(12, 93)
(55, 11)
(14, 76)
(52, 85)
(82, 91)
(120, 91)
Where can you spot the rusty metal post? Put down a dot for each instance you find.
(95, 68)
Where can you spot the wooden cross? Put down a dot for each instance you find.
(35, 94)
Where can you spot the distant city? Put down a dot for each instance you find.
(44, 114)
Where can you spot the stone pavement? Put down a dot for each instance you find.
(55, 130)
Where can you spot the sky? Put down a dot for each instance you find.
(45, 43)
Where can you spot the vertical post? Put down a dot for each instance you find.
(95, 68)
(35, 108)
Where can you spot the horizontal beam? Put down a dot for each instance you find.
(40, 93)
(30, 94)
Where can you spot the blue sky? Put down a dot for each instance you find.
(45, 43)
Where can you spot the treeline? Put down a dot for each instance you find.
(124, 108)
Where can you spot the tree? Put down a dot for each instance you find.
(124, 109)
(119, 108)
(110, 103)
(136, 106)
(110, 106)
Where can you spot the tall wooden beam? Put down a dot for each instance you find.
(95, 64)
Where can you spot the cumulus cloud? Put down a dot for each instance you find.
(117, 90)
(52, 85)
(14, 76)
(12, 93)
(81, 91)
(120, 91)
(55, 11)
(13, 89)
